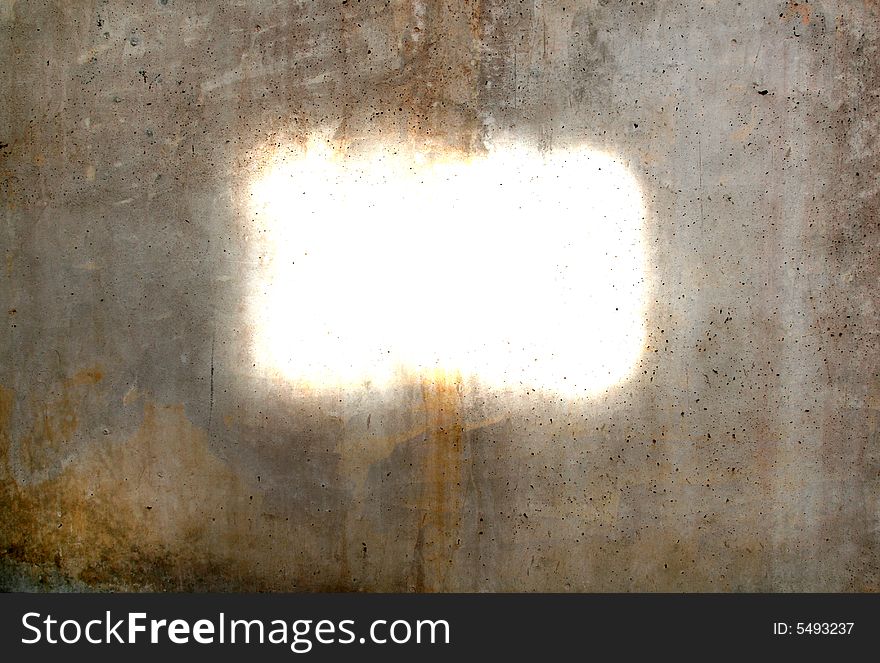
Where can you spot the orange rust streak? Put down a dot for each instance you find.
(441, 500)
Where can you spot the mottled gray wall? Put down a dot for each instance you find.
(137, 449)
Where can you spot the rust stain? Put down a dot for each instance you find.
(159, 508)
(7, 397)
(142, 514)
(86, 377)
(440, 502)
(53, 426)
(432, 97)
(53, 436)
(801, 9)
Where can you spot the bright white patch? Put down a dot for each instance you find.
(517, 268)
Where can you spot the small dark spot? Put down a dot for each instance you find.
(762, 92)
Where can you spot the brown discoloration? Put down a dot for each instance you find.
(740, 455)
(7, 397)
(85, 377)
(49, 441)
(800, 9)
(140, 513)
(441, 498)
(849, 330)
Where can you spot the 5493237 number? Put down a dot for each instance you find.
(813, 628)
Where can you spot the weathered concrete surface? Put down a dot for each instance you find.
(139, 448)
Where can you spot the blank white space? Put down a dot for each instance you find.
(516, 268)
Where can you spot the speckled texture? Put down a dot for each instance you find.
(139, 450)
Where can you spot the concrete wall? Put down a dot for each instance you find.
(140, 447)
